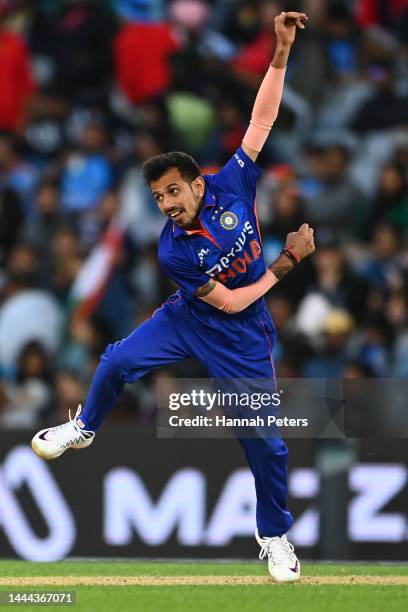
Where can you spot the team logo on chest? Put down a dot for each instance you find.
(236, 258)
(229, 220)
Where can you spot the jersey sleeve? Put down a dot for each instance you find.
(239, 176)
(184, 273)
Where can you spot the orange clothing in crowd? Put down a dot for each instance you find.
(142, 52)
(16, 82)
(369, 12)
(256, 57)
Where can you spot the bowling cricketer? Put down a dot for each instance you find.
(211, 247)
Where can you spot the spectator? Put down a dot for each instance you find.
(372, 344)
(17, 173)
(66, 260)
(331, 359)
(135, 198)
(335, 286)
(22, 264)
(382, 267)
(77, 349)
(287, 206)
(11, 221)
(45, 130)
(330, 195)
(81, 50)
(30, 393)
(152, 43)
(372, 12)
(27, 312)
(241, 22)
(342, 40)
(385, 109)
(69, 394)
(291, 345)
(252, 61)
(87, 173)
(391, 201)
(16, 82)
(41, 228)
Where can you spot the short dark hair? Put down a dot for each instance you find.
(155, 167)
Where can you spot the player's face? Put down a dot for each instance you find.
(178, 199)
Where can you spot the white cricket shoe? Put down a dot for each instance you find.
(283, 564)
(51, 443)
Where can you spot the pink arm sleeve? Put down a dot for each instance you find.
(232, 301)
(265, 108)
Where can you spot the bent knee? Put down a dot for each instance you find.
(116, 357)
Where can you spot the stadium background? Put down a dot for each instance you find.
(89, 90)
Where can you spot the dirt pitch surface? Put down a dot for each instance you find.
(72, 581)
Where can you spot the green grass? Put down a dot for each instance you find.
(217, 598)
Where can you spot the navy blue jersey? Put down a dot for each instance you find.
(228, 248)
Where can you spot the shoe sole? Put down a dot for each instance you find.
(40, 453)
(296, 579)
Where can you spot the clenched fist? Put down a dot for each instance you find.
(301, 242)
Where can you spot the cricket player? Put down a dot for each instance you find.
(211, 247)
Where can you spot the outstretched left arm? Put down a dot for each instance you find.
(269, 95)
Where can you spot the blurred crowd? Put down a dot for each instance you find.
(91, 89)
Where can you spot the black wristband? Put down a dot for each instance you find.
(290, 256)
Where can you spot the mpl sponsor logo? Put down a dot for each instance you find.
(130, 512)
(21, 468)
(130, 509)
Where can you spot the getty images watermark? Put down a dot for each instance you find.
(202, 400)
(292, 408)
